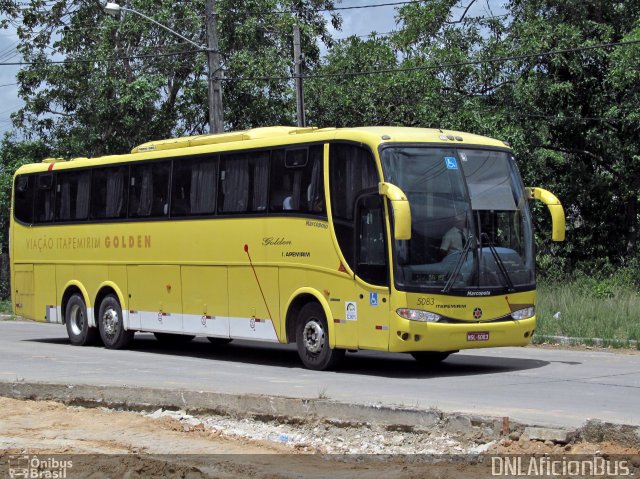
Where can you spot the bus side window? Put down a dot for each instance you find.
(149, 190)
(108, 193)
(72, 195)
(45, 198)
(244, 180)
(194, 187)
(297, 181)
(371, 257)
(23, 198)
(352, 169)
(280, 184)
(315, 181)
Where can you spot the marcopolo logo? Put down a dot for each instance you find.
(478, 293)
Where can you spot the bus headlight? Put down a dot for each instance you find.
(524, 313)
(418, 315)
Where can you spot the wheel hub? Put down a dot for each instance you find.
(77, 320)
(313, 335)
(110, 321)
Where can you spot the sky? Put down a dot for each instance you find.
(355, 22)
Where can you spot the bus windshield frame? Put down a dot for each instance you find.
(471, 225)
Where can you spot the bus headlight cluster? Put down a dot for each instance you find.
(418, 315)
(524, 313)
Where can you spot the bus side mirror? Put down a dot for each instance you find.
(401, 210)
(555, 208)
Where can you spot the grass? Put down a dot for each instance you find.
(322, 394)
(589, 309)
(5, 308)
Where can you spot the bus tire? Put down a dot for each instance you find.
(77, 322)
(312, 339)
(111, 324)
(431, 357)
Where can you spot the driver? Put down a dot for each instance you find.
(455, 239)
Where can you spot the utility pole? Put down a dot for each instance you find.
(216, 113)
(297, 62)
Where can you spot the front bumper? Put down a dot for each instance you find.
(410, 336)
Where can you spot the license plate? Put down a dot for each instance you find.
(478, 336)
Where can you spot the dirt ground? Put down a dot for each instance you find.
(103, 443)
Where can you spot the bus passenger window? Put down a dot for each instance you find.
(296, 180)
(148, 190)
(315, 181)
(243, 182)
(45, 197)
(108, 194)
(23, 198)
(72, 199)
(194, 186)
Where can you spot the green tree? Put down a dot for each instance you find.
(573, 136)
(13, 154)
(124, 81)
(571, 116)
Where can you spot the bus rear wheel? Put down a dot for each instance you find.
(111, 324)
(431, 357)
(312, 339)
(77, 322)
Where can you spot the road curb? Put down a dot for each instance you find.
(595, 342)
(291, 410)
(295, 410)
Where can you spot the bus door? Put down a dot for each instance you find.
(372, 272)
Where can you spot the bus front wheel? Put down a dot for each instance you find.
(111, 324)
(75, 317)
(312, 339)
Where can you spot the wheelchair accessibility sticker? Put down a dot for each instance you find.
(451, 162)
(373, 299)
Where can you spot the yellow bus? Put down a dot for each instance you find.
(381, 238)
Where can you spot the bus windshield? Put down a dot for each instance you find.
(471, 228)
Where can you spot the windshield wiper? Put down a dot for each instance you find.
(456, 270)
(499, 262)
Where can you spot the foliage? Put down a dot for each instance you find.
(536, 77)
(13, 154)
(125, 81)
(571, 117)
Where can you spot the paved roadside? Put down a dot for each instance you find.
(531, 386)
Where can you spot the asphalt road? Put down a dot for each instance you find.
(532, 385)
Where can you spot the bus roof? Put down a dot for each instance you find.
(270, 137)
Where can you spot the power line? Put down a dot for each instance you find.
(392, 32)
(102, 60)
(353, 74)
(318, 10)
(444, 65)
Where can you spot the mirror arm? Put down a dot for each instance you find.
(555, 208)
